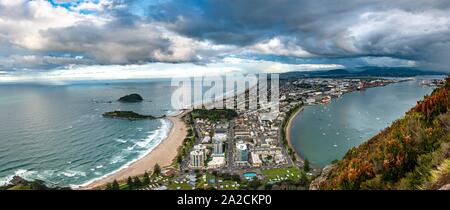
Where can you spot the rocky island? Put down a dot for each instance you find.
(128, 115)
(132, 98)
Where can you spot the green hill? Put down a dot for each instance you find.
(413, 153)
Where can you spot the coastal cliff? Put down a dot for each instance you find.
(413, 153)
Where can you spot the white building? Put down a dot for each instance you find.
(218, 140)
(216, 162)
(202, 148)
(197, 159)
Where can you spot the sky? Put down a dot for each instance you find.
(119, 39)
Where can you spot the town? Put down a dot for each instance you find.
(249, 149)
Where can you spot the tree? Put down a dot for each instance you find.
(255, 183)
(157, 169)
(236, 177)
(146, 179)
(115, 185)
(304, 181)
(137, 182)
(306, 166)
(108, 186)
(130, 183)
(179, 159)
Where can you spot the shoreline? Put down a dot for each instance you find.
(298, 157)
(293, 115)
(163, 154)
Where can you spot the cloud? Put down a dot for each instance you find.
(48, 35)
(405, 29)
(111, 36)
(278, 46)
(158, 70)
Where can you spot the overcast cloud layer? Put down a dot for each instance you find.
(54, 35)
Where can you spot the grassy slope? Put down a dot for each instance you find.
(406, 155)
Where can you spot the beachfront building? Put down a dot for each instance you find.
(218, 148)
(202, 148)
(197, 159)
(218, 140)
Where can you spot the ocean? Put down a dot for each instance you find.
(56, 133)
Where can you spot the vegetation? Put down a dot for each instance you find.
(254, 184)
(128, 115)
(306, 166)
(137, 183)
(278, 174)
(146, 179)
(157, 169)
(115, 185)
(214, 115)
(130, 183)
(188, 142)
(404, 155)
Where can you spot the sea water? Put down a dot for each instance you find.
(56, 133)
(323, 133)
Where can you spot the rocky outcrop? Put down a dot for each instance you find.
(19, 181)
(132, 98)
(317, 183)
(445, 187)
(128, 115)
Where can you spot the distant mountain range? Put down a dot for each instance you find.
(363, 72)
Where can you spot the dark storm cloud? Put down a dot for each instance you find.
(202, 31)
(417, 30)
(44, 35)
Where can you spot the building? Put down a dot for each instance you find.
(202, 148)
(216, 162)
(218, 140)
(242, 152)
(197, 159)
(256, 161)
(220, 136)
(206, 140)
(221, 128)
(218, 148)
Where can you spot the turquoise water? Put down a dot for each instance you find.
(58, 134)
(324, 133)
(250, 175)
